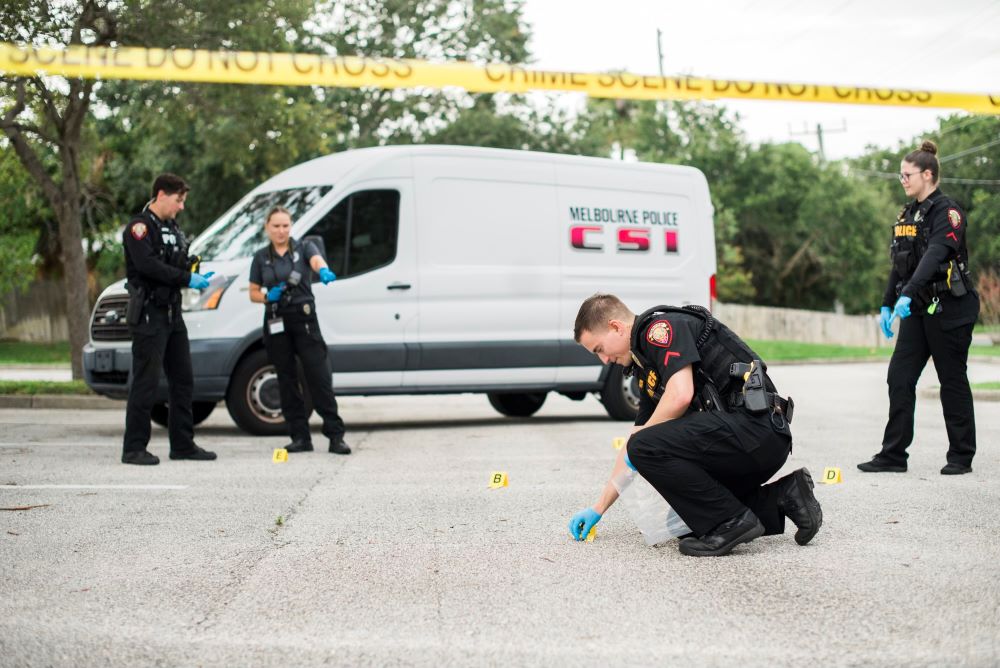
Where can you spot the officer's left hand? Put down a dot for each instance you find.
(198, 282)
(209, 274)
(326, 275)
(583, 522)
(902, 308)
(885, 321)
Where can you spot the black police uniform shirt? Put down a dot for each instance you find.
(945, 228)
(269, 269)
(150, 245)
(667, 345)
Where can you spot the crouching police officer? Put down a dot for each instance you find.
(711, 428)
(930, 280)
(157, 266)
(280, 277)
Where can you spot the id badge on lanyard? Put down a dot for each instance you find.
(275, 325)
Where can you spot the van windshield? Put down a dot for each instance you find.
(242, 232)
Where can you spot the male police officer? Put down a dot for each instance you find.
(711, 428)
(157, 266)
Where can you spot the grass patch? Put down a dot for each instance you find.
(993, 351)
(785, 351)
(33, 387)
(992, 385)
(21, 352)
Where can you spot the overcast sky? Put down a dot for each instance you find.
(918, 44)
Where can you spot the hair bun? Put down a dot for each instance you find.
(929, 147)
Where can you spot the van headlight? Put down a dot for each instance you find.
(207, 299)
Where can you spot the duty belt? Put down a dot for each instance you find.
(778, 405)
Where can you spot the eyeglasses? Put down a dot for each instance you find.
(904, 177)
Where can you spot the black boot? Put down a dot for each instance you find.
(799, 504)
(197, 454)
(955, 469)
(140, 457)
(879, 465)
(299, 446)
(339, 447)
(723, 538)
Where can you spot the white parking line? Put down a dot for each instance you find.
(25, 444)
(142, 487)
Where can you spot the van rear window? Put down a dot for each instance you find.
(241, 233)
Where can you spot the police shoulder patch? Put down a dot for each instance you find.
(139, 230)
(659, 334)
(955, 218)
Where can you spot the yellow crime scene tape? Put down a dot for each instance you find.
(301, 69)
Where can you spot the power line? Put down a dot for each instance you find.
(855, 171)
(974, 149)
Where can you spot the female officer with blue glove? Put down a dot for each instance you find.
(280, 279)
(932, 294)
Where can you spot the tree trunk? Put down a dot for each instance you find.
(74, 260)
(74, 274)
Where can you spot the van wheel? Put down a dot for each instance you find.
(520, 404)
(201, 409)
(253, 400)
(620, 395)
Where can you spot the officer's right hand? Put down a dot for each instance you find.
(583, 522)
(274, 294)
(885, 321)
(198, 282)
(902, 308)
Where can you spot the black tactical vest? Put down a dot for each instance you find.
(718, 346)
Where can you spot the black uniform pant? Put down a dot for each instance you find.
(302, 338)
(160, 343)
(712, 466)
(921, 337)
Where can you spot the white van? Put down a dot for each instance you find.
(459, 269)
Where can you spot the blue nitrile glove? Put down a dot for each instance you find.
(629, 463)
(326, 275)
(209, 275)
(885, 321)
(198, 282)
(583, 522)
(902, 308)
(274, 294)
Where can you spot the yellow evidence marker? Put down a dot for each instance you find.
(831, 475)
(498, 479)
(280, 455)
(619, 442)
(592, 535)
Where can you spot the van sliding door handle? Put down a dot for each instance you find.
(398, 286)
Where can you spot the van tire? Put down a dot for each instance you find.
(252, 399)
(620, 395)
(517, 404)
(160, 414)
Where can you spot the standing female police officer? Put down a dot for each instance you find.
(291, 328)
(930, 281)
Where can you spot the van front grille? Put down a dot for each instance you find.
(109, 319)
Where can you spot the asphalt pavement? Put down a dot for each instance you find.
(400, 554)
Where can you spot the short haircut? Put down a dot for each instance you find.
(596, 311)
(169, 183)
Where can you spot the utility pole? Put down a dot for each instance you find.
(819, 135)
(659, 48)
